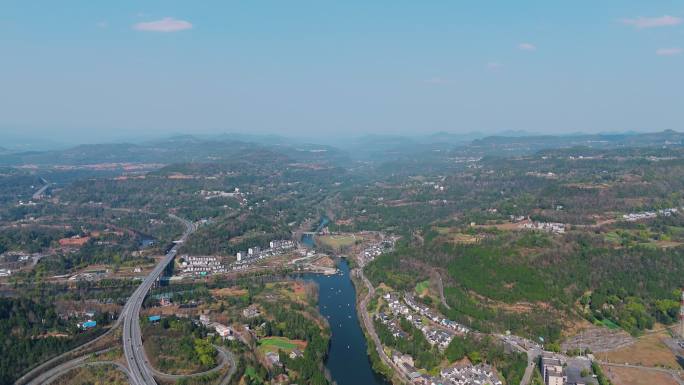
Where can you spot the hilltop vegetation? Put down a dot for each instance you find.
(632, 287)
(31, 333)
(499, 276)
(178, 346)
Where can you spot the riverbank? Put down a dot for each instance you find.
(379, 360)
(348, 344)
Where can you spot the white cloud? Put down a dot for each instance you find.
(527, 47)
(669, 51)
(167, 24)
(102, 24)
(653, 22)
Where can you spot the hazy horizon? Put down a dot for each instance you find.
(30, 143)
(94, 72)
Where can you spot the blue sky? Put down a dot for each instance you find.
(104, 70)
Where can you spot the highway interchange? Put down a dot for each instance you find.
(139, 368)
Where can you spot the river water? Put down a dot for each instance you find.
(308, 239)
(348, 360)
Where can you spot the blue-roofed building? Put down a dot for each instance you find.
(154, 318)
(87, 324)
(147, 243)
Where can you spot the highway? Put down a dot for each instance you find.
(226, 359)
(126, 316)
(139, 370)
(138, 366)
(34, 377)
(53, 374)
(40, 193)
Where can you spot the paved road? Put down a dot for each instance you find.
(529, 371)
(118, 366)
(532, 354)
(32, 377)
(440, 287)
(139, 370)
(49, 376)
(370, 328)
(225, 358)
(532, 351)
(39, 194)
(231, 372)
(126, 314)
(132, 338)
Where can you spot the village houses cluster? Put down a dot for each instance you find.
(276, 247)
(440, 336)
(211, 194)
(205, 265)
(434, 336)
(15, 260)
(225, 332)
(551, 227)
(433, 316)
(633, 217)
(251, 311)
(201, 265)
(228, 333)
(413, 312)
(369, 253)
(458, 374)
(434, 185)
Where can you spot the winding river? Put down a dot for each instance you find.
(348, 360)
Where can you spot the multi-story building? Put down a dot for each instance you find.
(224, 331)
(552, 370)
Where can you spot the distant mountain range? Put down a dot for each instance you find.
(225, 147)
(172, 150)
(526, 144)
